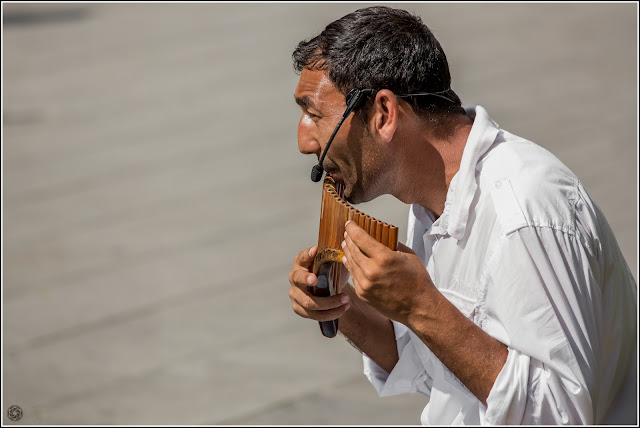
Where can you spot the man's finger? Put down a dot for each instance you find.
(305, 257)
(301, 277)
(351, 257)
(328, 315)
(316, 303)
(365, 242)
(353, 251)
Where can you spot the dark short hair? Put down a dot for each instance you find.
(382, 48)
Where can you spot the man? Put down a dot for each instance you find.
(513, 304)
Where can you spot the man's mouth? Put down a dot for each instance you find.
(335, 175)
(330, 171)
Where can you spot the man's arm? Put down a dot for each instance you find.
(469, 352)
(398, 286)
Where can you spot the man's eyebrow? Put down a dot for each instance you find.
(304, 101)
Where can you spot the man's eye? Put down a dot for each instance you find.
(313, 116)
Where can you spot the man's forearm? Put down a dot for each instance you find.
(468, 351)
(369, 331)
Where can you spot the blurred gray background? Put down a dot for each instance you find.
(154, 197)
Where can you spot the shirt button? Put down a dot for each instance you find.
(498, 184)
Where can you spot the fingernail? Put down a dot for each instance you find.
(344, 299)
(310, 279)
(345, 225)
(345, 233)
(343, 244)
(310, 251)
(344, 260)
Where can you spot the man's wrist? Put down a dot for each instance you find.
(426, 312)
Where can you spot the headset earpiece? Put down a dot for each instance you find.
(350, 95)
(356, 97)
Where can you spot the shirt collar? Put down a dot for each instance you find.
(463, 186)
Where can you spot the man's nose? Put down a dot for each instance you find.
(308, 142)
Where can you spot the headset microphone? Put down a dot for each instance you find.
(355, 98)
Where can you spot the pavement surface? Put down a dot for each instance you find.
(153, 196)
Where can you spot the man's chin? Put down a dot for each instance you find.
(352, 201)
(357, 195)
(351, 197)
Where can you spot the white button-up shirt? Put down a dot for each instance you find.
(524, 252)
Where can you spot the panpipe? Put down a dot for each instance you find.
(327, 265)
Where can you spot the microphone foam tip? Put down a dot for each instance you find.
(316, 173)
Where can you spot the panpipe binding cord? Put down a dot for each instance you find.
(327, 265)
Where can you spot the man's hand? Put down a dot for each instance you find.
(303, 302)
(393, 282)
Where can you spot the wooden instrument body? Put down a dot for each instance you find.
(327, 265)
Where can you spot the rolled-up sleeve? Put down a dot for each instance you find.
(526, 393)
(509, 396)
(408, 375)
(543, 302)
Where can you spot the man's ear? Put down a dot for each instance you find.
(385, 115)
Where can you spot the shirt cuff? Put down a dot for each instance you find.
(408, 375)
(509, 396)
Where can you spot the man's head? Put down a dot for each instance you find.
(382, 48)
(379, 48)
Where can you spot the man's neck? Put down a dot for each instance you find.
(430, 159)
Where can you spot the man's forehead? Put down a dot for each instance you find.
(315, 87)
